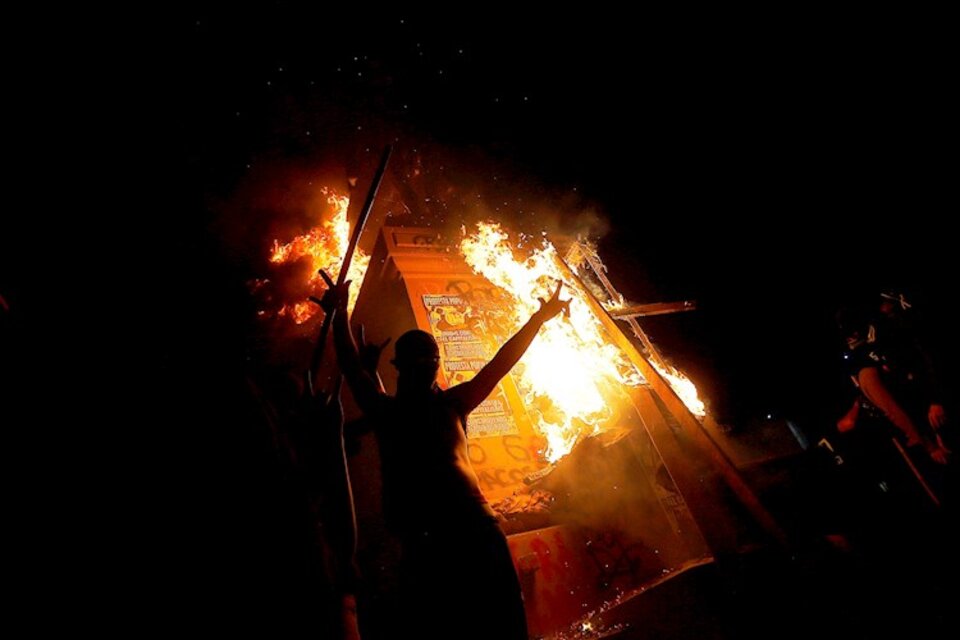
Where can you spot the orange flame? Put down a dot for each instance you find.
(300, 312)
(325, 246)
(684, 388)
(681, 384)
(570, 375)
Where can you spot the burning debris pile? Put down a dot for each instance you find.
(563, 447)
(525, 509)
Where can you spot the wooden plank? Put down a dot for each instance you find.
(691, 429)
(652, 309)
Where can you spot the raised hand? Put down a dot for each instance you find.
(370, 353)
(317, 405)
(553, 306)
(316, 432)
(336, 296)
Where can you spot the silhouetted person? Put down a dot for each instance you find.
(457, 576)
(328, 481)
(308, 435)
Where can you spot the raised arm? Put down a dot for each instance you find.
(471, 393)
(365, 388)
(370, 353)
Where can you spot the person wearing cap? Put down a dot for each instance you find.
(897, 479)
(883, 382)
(457, 576)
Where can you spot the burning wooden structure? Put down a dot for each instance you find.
(607, 482)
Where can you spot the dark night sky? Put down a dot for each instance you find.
(767, 173)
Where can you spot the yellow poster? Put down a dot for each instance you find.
(463, 352)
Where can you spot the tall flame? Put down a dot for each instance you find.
(570, 374)
(325, 246)
(581, 252)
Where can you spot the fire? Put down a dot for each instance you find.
(584, 253)
(325, 246)
(571, 373)
(684, 388)
(300, 311)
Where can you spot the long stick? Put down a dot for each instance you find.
(916, 472)
(347, 258)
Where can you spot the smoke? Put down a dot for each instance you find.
(449, 190)
(615, 491)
